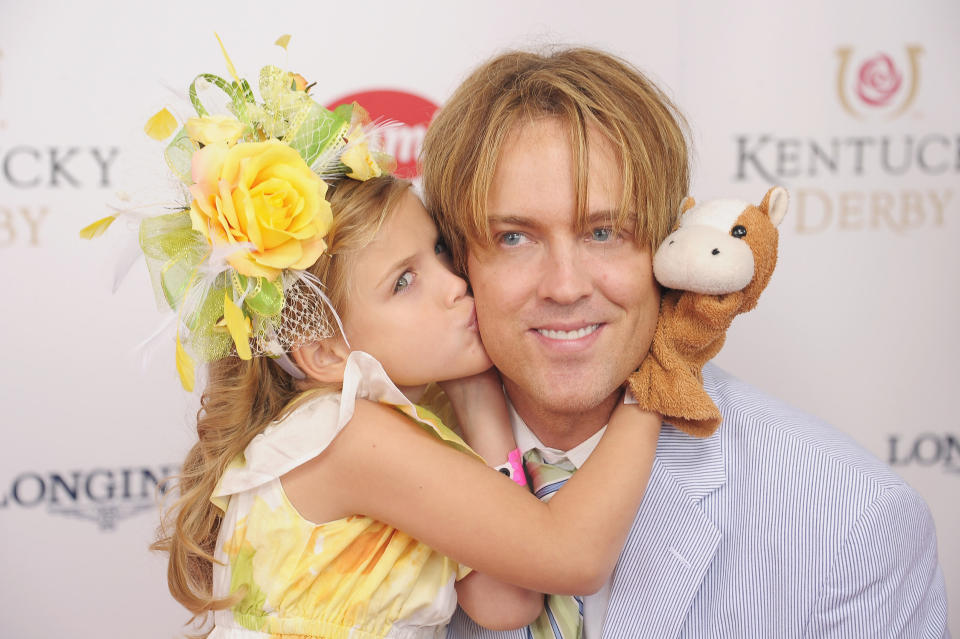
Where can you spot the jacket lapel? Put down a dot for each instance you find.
(672, 541)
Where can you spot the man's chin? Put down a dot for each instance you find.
(564, 396)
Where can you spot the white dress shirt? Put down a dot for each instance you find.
(595, 605)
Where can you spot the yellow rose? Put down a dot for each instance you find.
(265, 194)
(361, 162)
(213, 129)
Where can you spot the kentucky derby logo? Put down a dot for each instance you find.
(882, 84)
(410, 112)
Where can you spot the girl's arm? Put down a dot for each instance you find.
(497, 605)
(481, 411)
(389, 468)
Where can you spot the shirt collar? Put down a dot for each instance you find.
(526, 441)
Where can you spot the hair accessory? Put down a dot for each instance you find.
(231, 262)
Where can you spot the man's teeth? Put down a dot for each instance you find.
(583, 332)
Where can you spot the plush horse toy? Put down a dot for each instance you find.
(715, 264)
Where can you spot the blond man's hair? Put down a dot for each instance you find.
(586, 90)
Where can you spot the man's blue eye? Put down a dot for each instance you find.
(601, 234)
(403, 282)
(511, 239)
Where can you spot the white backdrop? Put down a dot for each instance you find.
(856, 325)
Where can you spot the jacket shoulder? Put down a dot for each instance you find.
(763, 432)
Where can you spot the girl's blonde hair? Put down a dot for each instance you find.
(243, 396)
(586, 90)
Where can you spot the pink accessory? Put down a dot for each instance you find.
(513, 467)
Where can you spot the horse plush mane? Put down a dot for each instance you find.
(713, 266)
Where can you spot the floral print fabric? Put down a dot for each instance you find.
(353, 577)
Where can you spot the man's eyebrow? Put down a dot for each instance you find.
(605, 215)
(610, 216)
(513, 220)
(601, 216)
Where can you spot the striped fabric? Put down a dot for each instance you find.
(562, 615)
(777, 526)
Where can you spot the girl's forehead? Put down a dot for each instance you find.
(407, 232)
(407, 222)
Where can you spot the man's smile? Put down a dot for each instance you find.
(567, 335)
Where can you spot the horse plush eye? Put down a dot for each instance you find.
(738, 231)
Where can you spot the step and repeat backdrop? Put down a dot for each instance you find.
(852, 107)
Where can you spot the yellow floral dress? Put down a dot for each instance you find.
(354, 577)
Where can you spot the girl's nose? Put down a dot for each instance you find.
(454, 286)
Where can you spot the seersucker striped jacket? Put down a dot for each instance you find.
(777, 526)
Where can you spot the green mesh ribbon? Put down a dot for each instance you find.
(174, 254)
(295, 118)
(240, 94)
(179, 154)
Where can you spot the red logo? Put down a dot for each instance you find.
(412, 112)
(878, 80)
(881, 86)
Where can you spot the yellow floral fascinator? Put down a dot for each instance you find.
(231, 263)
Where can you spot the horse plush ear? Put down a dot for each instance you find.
(687, 204)
(775, 204)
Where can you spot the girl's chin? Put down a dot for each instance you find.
(482, 365)
(468, 370)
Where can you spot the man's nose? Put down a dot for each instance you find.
(565, 277)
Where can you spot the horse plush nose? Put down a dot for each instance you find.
(703, 259)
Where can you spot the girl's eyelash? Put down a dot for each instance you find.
(403, 282)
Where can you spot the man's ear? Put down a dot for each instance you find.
(323, 360)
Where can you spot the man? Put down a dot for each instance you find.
(554, 178)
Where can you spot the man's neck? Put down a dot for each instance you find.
(562, 430)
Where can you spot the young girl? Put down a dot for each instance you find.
(320, 500)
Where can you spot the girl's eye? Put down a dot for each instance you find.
(403, 282)
(440, 247)
(511, 238)
(601, 234)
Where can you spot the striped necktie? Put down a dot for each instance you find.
(562, 616)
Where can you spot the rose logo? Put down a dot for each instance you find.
(878, 80)
(877, 87)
